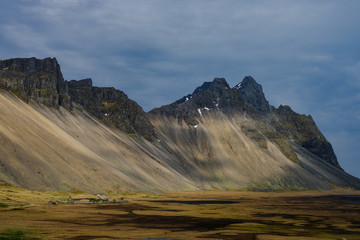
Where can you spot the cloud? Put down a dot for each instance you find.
(354, 71)
(24, 38)
(304, 53)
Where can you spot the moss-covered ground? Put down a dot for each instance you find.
(184, 215)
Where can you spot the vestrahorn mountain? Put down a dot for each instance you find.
(69, 135)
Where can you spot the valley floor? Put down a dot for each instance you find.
(182, 215)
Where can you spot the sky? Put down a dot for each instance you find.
(305, 53)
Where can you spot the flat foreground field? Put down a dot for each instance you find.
(182, 215)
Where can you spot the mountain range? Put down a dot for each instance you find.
(71, 135)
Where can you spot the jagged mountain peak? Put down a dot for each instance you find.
(249, 80)
(247, 96)
(246, 82)
(213, 94)
(216, 95)
(214, 88)
(214, 85)
(253, 94)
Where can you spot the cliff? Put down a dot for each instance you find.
(36, 80)
(112, 107)
(41, 81)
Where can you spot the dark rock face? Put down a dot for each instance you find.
(252, 92)
(112, 106)
(218, 94)
(37, 80)
(215, 95)
(303, 130)
(247, 97)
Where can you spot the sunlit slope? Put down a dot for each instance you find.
(42, 148)
(221, 156)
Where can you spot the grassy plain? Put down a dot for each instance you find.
(183, 215)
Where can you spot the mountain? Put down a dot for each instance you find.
(71, 135)
(232, 137)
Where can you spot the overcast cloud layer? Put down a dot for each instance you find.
(306, 54)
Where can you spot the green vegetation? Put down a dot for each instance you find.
(256, 136)
(17, 234)
(190, 119)
(274, 187)
(262, 228)
(106, 106)
(284, 145)
(4, 205)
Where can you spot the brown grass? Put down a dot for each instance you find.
(211, 215)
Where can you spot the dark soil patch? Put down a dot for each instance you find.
(238, 236)
(194, 202)
(346, 199)
(174, 223)
(285, 216)
(17, 209)
(169, 210)
(91, 237)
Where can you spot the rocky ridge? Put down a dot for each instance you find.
(73, 135)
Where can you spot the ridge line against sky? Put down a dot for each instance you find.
(305, 54)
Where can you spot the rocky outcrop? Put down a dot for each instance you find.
(211, 95)
(303, 130)
(253, 94)
(36, 80)
(112, 107)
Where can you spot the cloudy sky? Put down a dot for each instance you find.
(306, 53)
